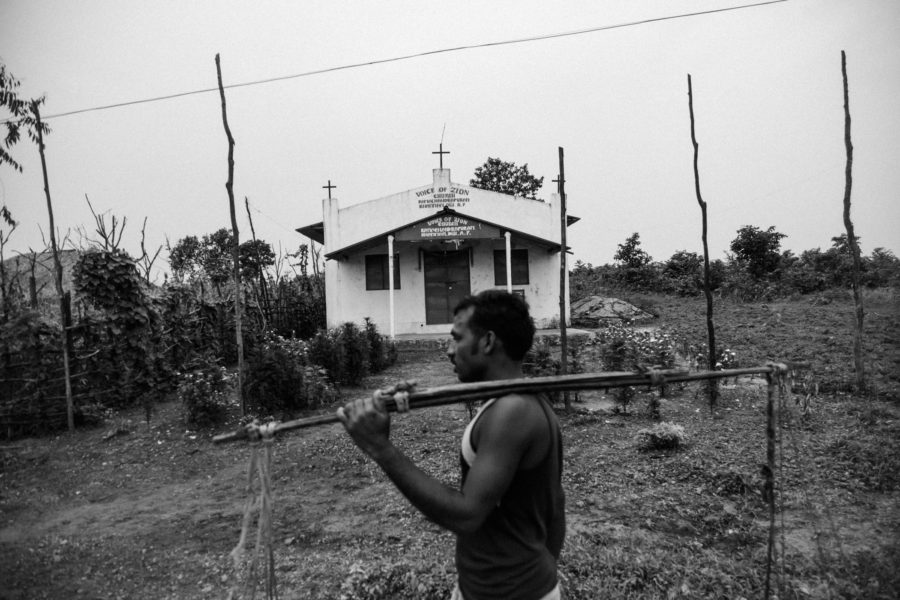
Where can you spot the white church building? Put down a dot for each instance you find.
(405, 260)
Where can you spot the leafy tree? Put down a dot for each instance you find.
(21, 116)
(211, 257)
(27, 114)
(839, 243)
(630, 254)
(683, 264)
(184, 257)
(717, 273)
(255, 256)
(816, 270)
(507, 178)
(884, 268)
(633, 266)
(840, 261)
(216, 257)
(11, 223)
(684, 270)
(758, 251)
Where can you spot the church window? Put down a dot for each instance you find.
(519, 267)
(377, 272)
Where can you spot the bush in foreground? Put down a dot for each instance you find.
(662, 436)
(281, 377)
(398, 581)
(349, 353)
(203, 392)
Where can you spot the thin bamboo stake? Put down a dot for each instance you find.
(482, 390)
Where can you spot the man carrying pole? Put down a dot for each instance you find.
(508, 515)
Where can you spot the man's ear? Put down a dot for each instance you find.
(489, 342)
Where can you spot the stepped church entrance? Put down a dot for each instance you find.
(446, 283)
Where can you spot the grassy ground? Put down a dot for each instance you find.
(154, 510)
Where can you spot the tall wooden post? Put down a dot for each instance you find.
(229, 186)
(563, 271)
(710, 326)
(851, 239)
(58, 271)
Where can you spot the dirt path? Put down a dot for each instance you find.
(154, 513)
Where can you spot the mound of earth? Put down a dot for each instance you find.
(596, 310)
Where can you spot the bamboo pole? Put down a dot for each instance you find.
(482, 390)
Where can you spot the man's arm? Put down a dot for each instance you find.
(505, 434)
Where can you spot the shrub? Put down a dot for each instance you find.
(281, 377)
(203, 392)
(348, 353)
(124, 326)
(326, 350)
(356, 352)
(727, 359)
(31, 376)
(624, 349)
(382, 353)
(296, 307)
(539, 360)
(399, 581)
(662, 436)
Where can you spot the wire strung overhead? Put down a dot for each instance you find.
(536, 38)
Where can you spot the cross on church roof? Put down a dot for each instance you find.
(329, 187)
(441, 152)
(558, 182)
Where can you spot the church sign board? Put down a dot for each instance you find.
(447, 227)
(437, 197)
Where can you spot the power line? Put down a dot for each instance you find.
(538, 38)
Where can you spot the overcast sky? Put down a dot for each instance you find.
(767, 89)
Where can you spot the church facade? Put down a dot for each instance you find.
(405, 260)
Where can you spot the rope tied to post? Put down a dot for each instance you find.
(262, 437)
(778, 374)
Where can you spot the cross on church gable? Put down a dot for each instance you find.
(441, 152)
(558, 182)
(329, 187)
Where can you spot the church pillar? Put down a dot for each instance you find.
(508, 236)
(390, 241)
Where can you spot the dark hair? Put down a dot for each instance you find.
(506, 315)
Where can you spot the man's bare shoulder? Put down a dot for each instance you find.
(517, 410)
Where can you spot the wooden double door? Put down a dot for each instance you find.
(446, 283)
